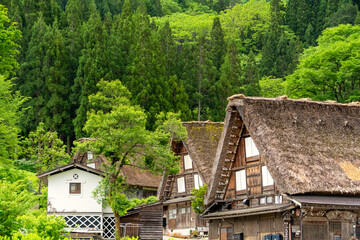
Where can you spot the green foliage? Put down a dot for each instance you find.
(43, 225)
(170, 6)
(330, 70)
(346, 14)
(121, 136)
(129, 238)
(44, 150)
(10, 111)
(197, 201)
(15, 200)
(12, 175)
(9, 47)
(272, 87)
(169, 124)
(240, 24)
(184, 25)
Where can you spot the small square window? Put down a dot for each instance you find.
(75, 188)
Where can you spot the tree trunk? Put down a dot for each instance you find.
(117, 225)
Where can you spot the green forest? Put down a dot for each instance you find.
(170, 60)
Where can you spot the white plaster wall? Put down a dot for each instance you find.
(59, 198)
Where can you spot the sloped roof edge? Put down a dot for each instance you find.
(69, 167)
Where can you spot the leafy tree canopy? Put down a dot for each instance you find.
(10, 111)
(43, 150)
(119, 133)
(330, 70)
(9, 47)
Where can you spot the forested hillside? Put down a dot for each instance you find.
(183, 56)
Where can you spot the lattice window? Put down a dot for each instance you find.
(109, 228)
(85, 221)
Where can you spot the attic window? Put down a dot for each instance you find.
(267, 180)
(240, 180)
(181, 185)
(197, 181)
(187, 162)
(75, 188)
(250, 148)
(90, 155)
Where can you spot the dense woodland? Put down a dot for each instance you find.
(184, 56)
(173, 55)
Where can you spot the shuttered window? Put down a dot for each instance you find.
(197, 181)
(181, 185)
(187, 162)
(267, 180)
(250, 148)
(240, 180)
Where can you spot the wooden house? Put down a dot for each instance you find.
(196, 159)
(286, 169)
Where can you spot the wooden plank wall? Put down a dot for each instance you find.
(151, 222)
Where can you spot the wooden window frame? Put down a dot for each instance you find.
(77, 188)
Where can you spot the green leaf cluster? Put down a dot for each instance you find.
(43, 150)
(197, 201)
(329, 71)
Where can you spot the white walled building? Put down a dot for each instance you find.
(70, 190)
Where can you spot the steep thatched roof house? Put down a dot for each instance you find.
(286, 168)
(196, 160)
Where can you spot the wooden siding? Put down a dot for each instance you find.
(254, 189)
(253, 227)
(184, 220)
(148, 220)
(151, 222)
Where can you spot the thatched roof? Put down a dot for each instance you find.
(137, 177)
(201, 143)
(308, 147)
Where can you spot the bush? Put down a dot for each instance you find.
(39, 223)
(15, 200)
